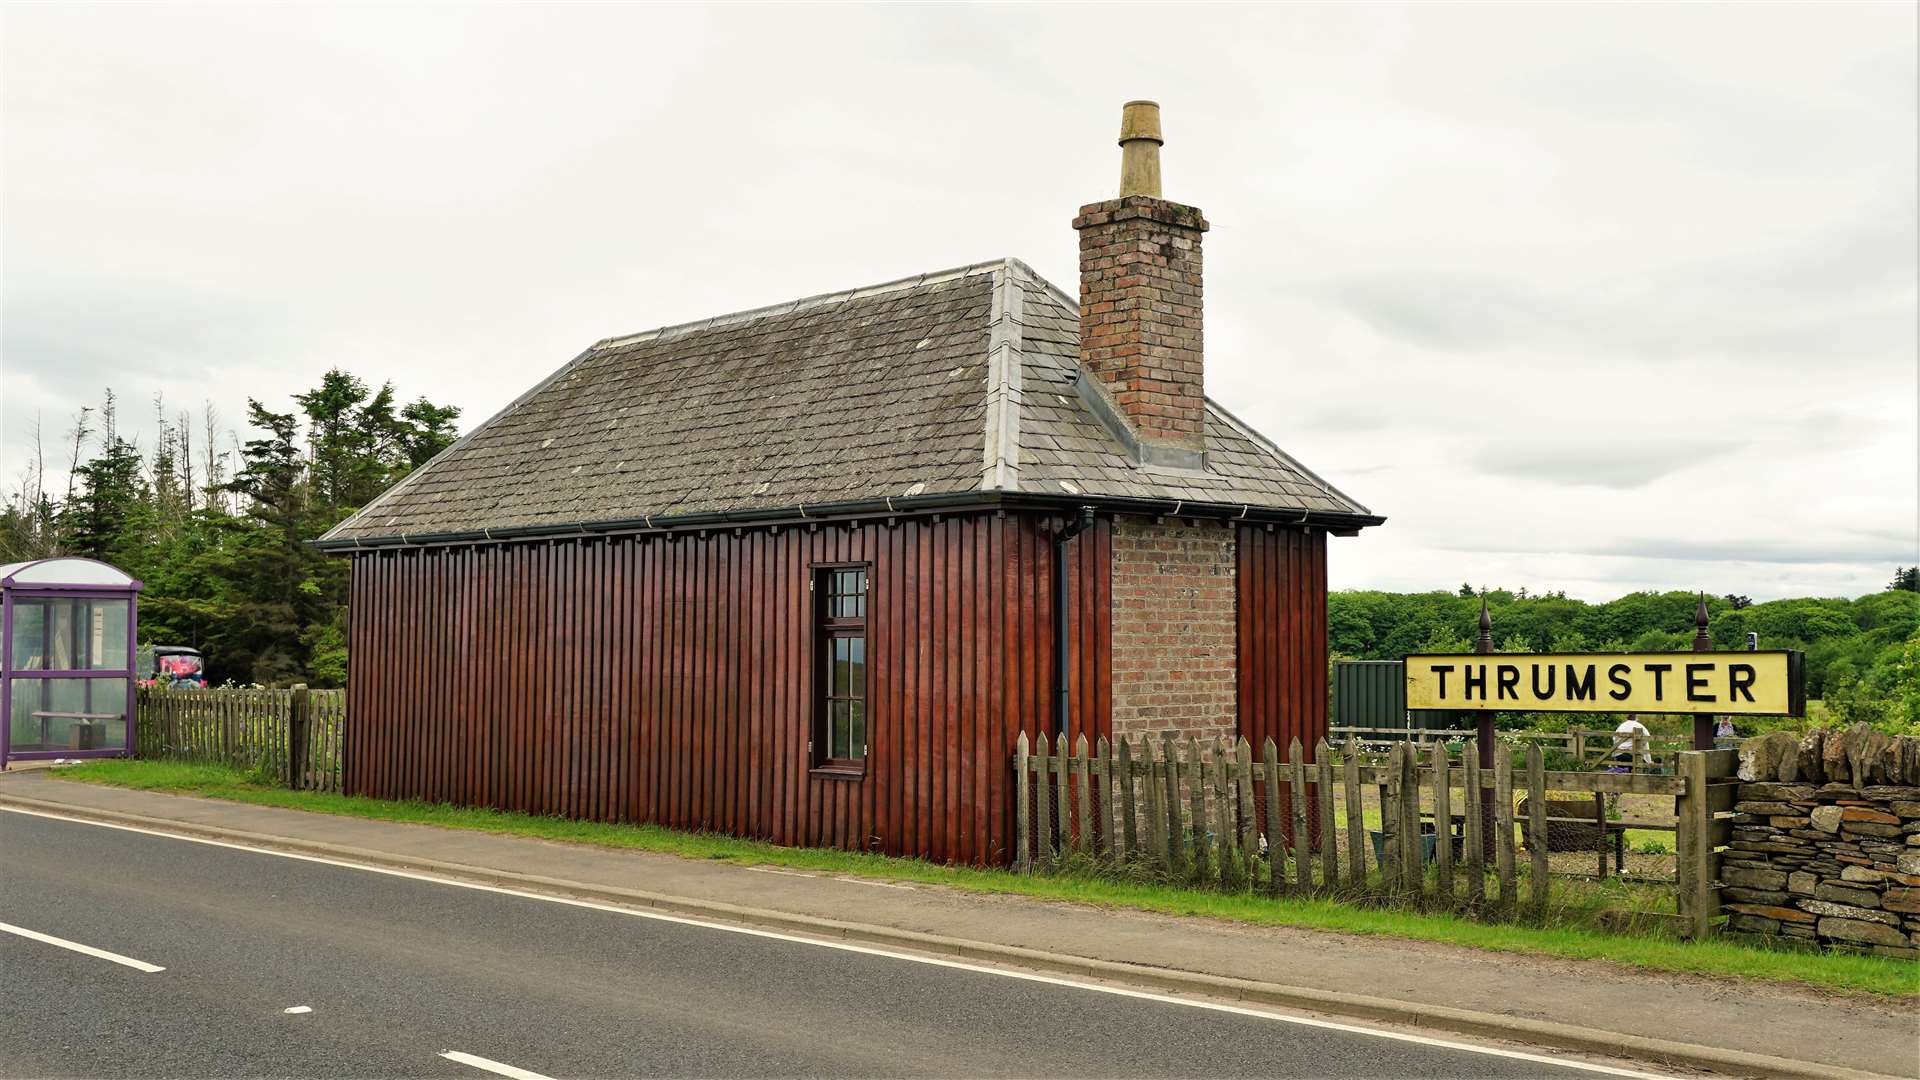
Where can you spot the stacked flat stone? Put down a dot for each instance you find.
(1826, 842)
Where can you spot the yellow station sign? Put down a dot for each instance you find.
(1740, 683)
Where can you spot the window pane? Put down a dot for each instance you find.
(29, 636)
(69, 635)
(840, 742)
(856, 666)
(857, 729)
(840, 678)
(69, 714)
(108, 650)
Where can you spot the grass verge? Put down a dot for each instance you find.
(1876, 975)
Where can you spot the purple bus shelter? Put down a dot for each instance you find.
(66, 669)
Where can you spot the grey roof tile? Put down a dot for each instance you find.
(852, 396)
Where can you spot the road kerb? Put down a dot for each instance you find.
(1537, 1033)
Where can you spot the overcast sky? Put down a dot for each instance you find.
(1583, 298)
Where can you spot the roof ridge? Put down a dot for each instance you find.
(1033, 275)
(732, 318)
(1000, 449)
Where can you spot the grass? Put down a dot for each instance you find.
(1875, 975)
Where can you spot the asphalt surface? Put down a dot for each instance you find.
(397, 970)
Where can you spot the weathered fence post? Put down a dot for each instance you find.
(1042, 803)
(1062, 798)
(1156, 801)
(1474, 845)
(1170, 789)
(1356, 817)
(1302, 836)
(1082, 778)
(1103, 766)
(1413, 861)
(1442, 823)
(1389, 852)
(1323, 803)
(1699, 834)
(1197, 795)
(1225, 835)
(1276, 836)
(1537, 826)
(1503, 825)
(1249, 823)
(299, 713)
(1022, 847)
(1129, 819)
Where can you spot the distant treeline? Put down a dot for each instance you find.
(1863, 655)
(216, 527)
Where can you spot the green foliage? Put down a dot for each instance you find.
(1860, 653)
(225, 562)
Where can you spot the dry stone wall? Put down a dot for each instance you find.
(1826, 842)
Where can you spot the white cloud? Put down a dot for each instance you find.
(1591, 297)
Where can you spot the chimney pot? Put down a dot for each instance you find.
(1140, 142)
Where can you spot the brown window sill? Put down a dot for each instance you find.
(839, 772)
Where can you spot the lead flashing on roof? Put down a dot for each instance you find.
(1141, 454)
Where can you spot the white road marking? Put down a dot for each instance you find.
(297, 1010)
(875, 884)
(491, 1065)
(822, 877)
(139, 965)
(868, 950)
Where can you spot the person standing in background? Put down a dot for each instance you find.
(1631, 735)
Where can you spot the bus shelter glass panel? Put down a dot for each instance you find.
(68, 714)
(63, 634)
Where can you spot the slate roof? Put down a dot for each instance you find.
(920, 390)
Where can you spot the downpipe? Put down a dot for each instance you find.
(1062, 700)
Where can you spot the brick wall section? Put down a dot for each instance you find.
(1173, 628)
(1140, 313)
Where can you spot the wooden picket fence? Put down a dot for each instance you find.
(296, 735)
(1208, 813)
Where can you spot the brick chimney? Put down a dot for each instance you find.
(1140, 306)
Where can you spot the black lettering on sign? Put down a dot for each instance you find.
(1617, 675)
(1507, 676)
(1476, 679)
(1659, 680)
(1548, 692)
(1697, 682)
(1579, 689)
(1740, 681)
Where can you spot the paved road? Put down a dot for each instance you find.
(395, 971)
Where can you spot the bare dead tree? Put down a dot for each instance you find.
(79, 434)
(215, 470)
(184, 424)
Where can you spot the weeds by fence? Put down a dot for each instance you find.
(294, 736)
(1206, 812)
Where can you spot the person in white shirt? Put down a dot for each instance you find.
(1630, 732)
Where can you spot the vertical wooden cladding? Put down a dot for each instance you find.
(1282, 615)
(668, 679)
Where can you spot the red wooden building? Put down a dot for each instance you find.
(805, 572)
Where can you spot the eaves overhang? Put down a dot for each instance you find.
(824, 512)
